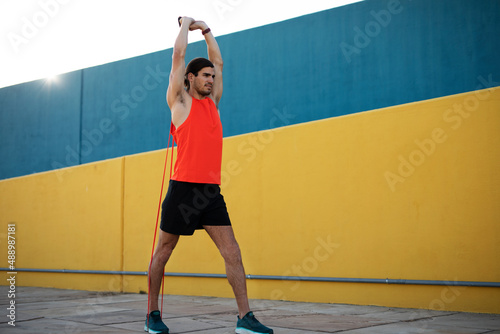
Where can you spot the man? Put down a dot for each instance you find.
(193, 200)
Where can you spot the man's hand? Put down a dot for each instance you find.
(198, 25)
(193, 25)
(187, 20)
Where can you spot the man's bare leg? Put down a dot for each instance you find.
(225, 241)
(164, 248)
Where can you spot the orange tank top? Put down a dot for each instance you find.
(199, 144)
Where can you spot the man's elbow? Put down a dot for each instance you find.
(179, 53)
(218, 62)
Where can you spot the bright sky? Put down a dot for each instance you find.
(42, 38)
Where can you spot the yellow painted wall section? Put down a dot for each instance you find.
(407, 192)
(66, 220)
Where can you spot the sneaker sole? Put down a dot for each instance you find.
(240, 330)
(151, 331)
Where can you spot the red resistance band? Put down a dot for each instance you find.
(170, 145)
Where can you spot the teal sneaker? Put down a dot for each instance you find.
(156, 325)
(250, 325)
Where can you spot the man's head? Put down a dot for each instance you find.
(200, 73)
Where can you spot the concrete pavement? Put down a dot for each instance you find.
(45, 310)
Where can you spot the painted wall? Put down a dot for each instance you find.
(70, 223)
(360, 57)
(405, 192)
(37, 122)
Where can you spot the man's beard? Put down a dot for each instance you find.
(205, 91)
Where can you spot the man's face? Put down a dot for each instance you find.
(203, 82)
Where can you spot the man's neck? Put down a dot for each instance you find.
(194, 94)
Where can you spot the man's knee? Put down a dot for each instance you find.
(231, 253)
(167, 241)
(168, 247)
(165, 247)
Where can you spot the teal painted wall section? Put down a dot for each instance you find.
(37, 122)
(343, 60)
(354, 58)
(130, 113)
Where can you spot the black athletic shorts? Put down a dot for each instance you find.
(188, 206)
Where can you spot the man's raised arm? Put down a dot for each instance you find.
(176, 81)
(214, 55)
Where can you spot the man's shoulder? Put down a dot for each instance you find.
(214, 101)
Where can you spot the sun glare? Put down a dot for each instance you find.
(51, 78)
(51, 72)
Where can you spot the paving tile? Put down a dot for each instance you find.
(391, 315)
(108, 318)
(259, 304)
(186, 325)
(130, 305)
(328, 308)
(417, 327)
(277, 330)
(280, 330)
(218, 321)
(19, 317)
(87, 310)
(104, 300)
(470, 320)
(320, 322)
(33, 294)
(227, 317)
(135, 326)
(221, 331)
(46, 305)
(176, 325)
(55, 326)
(182, 308)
